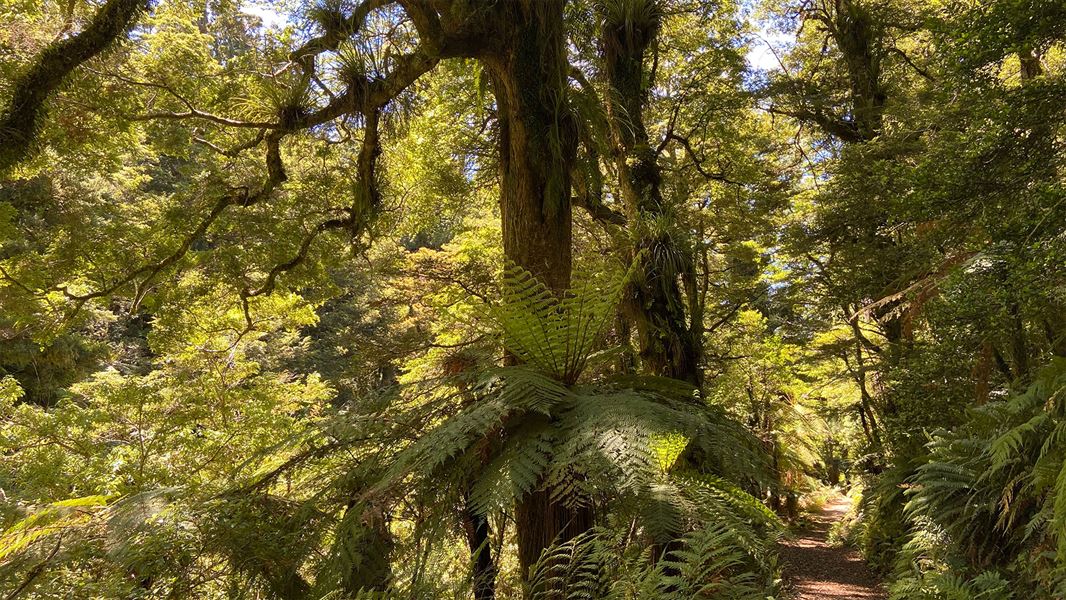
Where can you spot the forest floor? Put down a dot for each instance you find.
(817, 571)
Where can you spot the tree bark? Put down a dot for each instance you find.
(476, 525)
(537, 144)
(859, 39)
(654, 301)
(537, 138)
(1031, 67)
(374, 543)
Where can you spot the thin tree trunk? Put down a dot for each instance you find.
(1031, 67)
(476, 528)
(476, 525)
(1019, 342)
(866, 411)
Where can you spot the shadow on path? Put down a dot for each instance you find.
(816, 571)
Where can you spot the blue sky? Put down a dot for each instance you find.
(271, 18)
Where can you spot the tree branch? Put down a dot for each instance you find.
(335, 33)
(373, 94)
(846, 131)
(236, 150)
(35, 571)
(599, 211)
(198, 114)
(238, 197)
(910, 62)
(21, 118)
(697, 162)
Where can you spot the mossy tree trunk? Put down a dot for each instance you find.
(669, 345)
(537, 144)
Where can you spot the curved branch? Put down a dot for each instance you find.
(335, 33)
(36, 570)
(599, 211)
(234, 151)
(907, 59)
(21, 118)
(191, 112)
(426, 22)
(697, 162)
(301, 255)
(239, 197)
(364, 96)
(198, 114)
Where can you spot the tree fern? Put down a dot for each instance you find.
(538, 426)
(988, 585)
(706, 563)
(996, 487)
(553, 333)
(53, 519)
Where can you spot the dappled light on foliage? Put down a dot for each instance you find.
(533, 299)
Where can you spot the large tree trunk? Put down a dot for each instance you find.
(859, 38)
(537, 136)
(654, 300)
(538, 141)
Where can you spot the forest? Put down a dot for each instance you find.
(533, 299)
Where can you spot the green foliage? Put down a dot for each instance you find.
(554, 334)
(706, 561)
(252, 346)
(50, 520)
(988, 495)
(942, 586)
(595, 443)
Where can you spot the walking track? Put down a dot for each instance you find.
(818, 571)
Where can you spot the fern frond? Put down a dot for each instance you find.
(52, 519)
(555, 334)
(504, 393)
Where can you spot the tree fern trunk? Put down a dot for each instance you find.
(543, 521)
(476, 527)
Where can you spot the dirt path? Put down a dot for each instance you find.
(818, 571)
